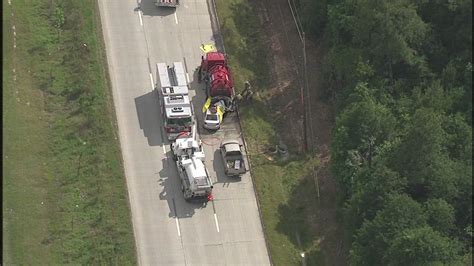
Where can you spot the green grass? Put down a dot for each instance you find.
(286, 190)
(65, 198)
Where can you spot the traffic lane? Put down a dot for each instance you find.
(197, 225)
(161, 34)
(195, 29)
(127, 57)
(235, 203)
(199, 239)
(177, 36)
(199, 230)
(238, 217)
(234, 197)
(174, 60)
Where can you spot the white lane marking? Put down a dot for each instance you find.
(175, 17)
(177, 225)
(140, 16)
(164, 149)
(152, 83)
(9, 2)
(187, 76)
(217, 223)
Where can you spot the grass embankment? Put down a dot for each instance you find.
(286, 192)
(65, 198)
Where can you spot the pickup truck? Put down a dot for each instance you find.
(231, 151)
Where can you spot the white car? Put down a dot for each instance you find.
(211, 119)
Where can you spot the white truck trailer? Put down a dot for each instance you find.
(173, 92)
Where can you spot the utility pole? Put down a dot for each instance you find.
(302, 94)
(305, 122)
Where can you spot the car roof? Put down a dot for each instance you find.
(231, 145)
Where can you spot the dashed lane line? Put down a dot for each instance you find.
(176, 218)
(217, 222)
(152, 83)
(140, 17)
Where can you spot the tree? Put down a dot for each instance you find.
(422, 246)
(458, 141)
(421, 157)
(360, 129)
(440, 216)
(371, 189)
(390, 32)
(374, 237)
(401, 72)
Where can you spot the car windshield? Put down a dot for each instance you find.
(185, 121)
(211, 117)
(234, 153)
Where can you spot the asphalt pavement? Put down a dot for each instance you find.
(167, 229)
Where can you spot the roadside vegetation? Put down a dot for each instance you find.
(64, 191)
(401, 76)
(401, 73)
(286, 190)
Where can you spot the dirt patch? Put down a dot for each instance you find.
(283, 96)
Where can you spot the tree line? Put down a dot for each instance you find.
(401, 74)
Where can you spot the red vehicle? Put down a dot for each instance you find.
(216, 73)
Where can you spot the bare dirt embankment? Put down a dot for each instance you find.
(286, 79)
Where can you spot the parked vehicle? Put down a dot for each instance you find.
(234, 164)
(219, 84)
(213, 114)
(173, 92)
(167, 3)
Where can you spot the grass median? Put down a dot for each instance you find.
(65, 198)
(285, 190)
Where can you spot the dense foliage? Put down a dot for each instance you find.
(401, 74)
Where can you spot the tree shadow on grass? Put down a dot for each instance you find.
(298, 216)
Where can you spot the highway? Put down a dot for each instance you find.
(168, 230)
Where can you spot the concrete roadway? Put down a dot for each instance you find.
(168, 230)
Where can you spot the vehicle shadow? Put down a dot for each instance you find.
(149, 117)
(171, 191)
(218, 165)
(149, 8)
